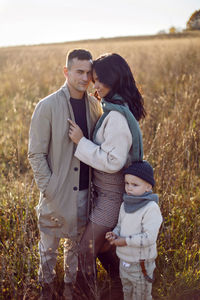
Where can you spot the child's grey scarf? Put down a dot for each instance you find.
(133, 203)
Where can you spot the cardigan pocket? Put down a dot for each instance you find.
(50, 220)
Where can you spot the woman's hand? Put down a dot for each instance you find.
(75, 133)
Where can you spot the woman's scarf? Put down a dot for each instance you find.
(133, 203)
(137, 145)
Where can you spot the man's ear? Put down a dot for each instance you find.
(148, 187)
(65, 71)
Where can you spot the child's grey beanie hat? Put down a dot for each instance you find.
(141, 169)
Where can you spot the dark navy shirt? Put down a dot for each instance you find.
(79, 110)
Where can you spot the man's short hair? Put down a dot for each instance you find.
(80, 54)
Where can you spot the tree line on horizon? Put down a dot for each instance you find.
(192, 24)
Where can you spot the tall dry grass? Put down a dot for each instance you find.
(167, 72)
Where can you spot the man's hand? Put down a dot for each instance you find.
(75, 133)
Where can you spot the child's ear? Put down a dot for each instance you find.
(148, 187)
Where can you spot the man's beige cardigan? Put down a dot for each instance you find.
(51, 155)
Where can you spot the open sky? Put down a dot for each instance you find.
(24, 22)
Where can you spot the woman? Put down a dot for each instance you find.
(116, 140)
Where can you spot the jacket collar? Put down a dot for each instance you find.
(65, 90)
(67, 93)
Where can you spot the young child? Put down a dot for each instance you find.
(136, 232)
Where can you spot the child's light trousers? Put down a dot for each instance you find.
(135, 286)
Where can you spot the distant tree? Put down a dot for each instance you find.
(194, 21)
(172, 30)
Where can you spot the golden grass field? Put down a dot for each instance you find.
(167, 71)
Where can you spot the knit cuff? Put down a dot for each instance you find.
(129, 240)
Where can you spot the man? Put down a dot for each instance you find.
(62, 179)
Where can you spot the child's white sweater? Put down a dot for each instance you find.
(140, 229)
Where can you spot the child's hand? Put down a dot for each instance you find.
(114, 239)
(110, 236)
(119, 242)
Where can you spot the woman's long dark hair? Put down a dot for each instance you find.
(113, 71)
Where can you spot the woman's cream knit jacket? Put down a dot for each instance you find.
(114, 141)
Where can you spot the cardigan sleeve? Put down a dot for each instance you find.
(150, 227)
(112, 154)
(39, 137)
